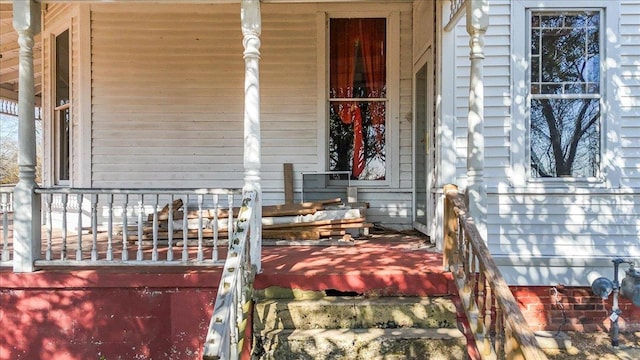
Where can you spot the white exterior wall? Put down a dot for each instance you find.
(562, 233)
(167, 99)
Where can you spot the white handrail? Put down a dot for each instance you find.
(234, 291)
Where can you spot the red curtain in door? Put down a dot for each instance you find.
(374, 58)
(348, 36)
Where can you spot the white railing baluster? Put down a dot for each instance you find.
(230, 228)
(200, 255)
(125, 229)
(4, 208)
(48, 253)
(139, 255)
(185, 230)
(94, 229)
(101, 210)
(216, 207)
(63, 253)
(109, 227)
(79, 231)
(154, 253)
(170, 231)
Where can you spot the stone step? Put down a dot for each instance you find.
(344, 312)
(370, 344)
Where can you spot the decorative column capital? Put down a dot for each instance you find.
(477, 24)
(477, 16)
(251, 28)
(250, 18)
(26, 16)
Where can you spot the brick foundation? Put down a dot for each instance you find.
(572, 309)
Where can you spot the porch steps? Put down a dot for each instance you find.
(316, 326)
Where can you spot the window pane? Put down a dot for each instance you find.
(64, 168)
(62, 68)
(565, 137)
(357, 139)
(358, 58)
(535, 42)
(357, 65)
(62, 113)
(565, 48)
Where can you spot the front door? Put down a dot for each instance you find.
(424, 139)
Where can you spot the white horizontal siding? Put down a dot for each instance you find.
(167, 99)
(171, 92)
(629, 92)
(529, 233)
(406, 102)
(288, 90)
(496, 81)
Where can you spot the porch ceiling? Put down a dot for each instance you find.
(9, 57)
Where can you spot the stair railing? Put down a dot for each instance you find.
(499, 327)
(229, 319)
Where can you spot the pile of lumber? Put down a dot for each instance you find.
(313, 220)
(302, 221)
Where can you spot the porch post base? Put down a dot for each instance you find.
(26, 227)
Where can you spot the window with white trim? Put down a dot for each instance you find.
(62, 109)
(358, 98)
(565, 93)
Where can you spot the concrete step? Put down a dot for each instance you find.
(356, 312)
(356, 327)
(370, 344)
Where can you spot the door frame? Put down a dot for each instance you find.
(428, 227)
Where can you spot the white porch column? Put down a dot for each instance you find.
(26, 221)
(251, 29)
(477, 23)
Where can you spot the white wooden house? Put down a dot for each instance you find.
(154, 95)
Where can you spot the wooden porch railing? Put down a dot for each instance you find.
(111, 227)
(6, 198)
(228, 323)
(6, 207)
(498, 326)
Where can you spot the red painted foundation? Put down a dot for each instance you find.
(164, 313)
(122, 314)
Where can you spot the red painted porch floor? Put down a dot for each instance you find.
(381, 264)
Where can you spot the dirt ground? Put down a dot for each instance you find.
(597, 346)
